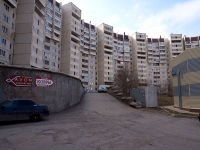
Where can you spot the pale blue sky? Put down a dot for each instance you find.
(154, 17)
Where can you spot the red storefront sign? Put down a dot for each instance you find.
(18, 80)
(43, 81)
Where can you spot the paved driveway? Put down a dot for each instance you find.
(102, 122)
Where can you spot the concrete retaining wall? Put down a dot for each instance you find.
(65, 92)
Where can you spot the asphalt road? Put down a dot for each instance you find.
(102, 122)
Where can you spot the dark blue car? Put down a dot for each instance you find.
(22, 110)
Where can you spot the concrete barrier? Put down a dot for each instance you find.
(56, 90)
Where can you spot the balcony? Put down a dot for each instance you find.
(76, 12)
(75, 30)
(108, 50)
(39, 11)
(12, 3)
(56, 38)
(75, 38)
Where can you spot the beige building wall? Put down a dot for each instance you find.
(70, 41)
(7, 26)
(29, 35)
(188, 65)
(105, 54)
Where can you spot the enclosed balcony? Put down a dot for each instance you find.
(12, 3)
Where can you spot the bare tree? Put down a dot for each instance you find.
(125, 80)
(170, 89)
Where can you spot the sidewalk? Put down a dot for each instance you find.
(178, 111)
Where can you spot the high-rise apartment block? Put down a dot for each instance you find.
(7, 25)
(46, 34)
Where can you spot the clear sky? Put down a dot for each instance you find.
(154, 17)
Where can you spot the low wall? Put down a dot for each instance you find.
(146, 96)
(56, 90)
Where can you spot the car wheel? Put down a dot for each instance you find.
(35, 118)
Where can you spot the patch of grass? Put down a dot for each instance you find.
(164, 100)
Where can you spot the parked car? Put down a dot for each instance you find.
(199, 116)
(102, 88)
(22, 110)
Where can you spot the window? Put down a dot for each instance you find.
(53, 50)
(48, 24)
(38, 22)
(91, 61)
(10, 57)
(57, 15)
(46, 62)
(13, 15)
(4, 29)
(47, 47)
(2, 41)
(53, 64)
(57, 21)
(46, 55)
(49, 10)
(54, 42)
(57, 28)
(36, 60)
(5, 18)
(6, 7)
(2, 53)
(36, 50)
(53, 57)
(91, 67)
(48, 31)
(37, 31)
(37, 41)
(25, 103)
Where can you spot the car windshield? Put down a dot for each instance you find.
(4, 102)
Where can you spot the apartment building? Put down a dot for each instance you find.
(88, 56)
(70, 40)
(7, 24)
(157, 57)
(29, 34)
(105, 54)
(191, 42)
(52, 43)
(139, 57)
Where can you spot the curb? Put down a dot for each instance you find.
(177, 114)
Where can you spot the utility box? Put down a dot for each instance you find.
(145, 96)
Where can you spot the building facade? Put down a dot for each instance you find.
(7, 23)
(46, 34)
